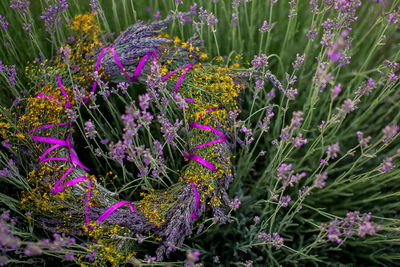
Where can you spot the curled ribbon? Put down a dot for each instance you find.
(73, 157)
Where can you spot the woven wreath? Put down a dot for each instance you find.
(60, 183)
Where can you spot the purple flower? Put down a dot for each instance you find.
(286, 174)
(98, 152)
(154, 79)
(332, 150)
(347, 107)
(335, 91)
(27, 27)
(266, 27)
(123, 86)
(387, 165)
(274, 240)
(260, 61)
(233, 115)
(94, 4)
(296, 120)
(71, 114)
(234, 205)
(168, 129)
(350, 225)
(298, 141)
(392, 78)
(391, 65)
(180, 101)
(144, 101)
(335, 49)
(192, 255)
(9, 71)
(234, 19)
(299, 61)
(284, 202)
(312, 33)
(367, 227)
(334, 231)
(256, 219)
(193, 7)
(290, 93)
(117, 151)
(366, 87)
(69, 256)
(21, 6)
(320, 179)
(290, 79)
(183, 18)
(271, 94)
(90, 130)
(3, 22)
(237, 3)
(322, 77)
(292, 11)
(363, 141)
(149, 259)
(51, 15)
(3, 260)
(209, 18)
(8, 241)
(248, 133)
(389, 132)
(91, 256)
(32, 250)
(264, 125)
(314, 6)
(394, 17)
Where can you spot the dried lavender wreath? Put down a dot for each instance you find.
(306, 186)
(176, 82)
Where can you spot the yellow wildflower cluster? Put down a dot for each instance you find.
(155, 205)
(40, 198)
(4, 127)
(178, 50)
(109, 244)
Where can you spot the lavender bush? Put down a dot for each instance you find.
(306, 94)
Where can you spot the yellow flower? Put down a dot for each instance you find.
(203, 56)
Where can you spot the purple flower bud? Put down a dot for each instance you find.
(260, 61)
(90, 130)
(320, 179)
(332, 150)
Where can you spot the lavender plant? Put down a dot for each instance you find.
(306, 93)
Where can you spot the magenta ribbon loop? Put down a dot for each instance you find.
(48, 96)
(196, 195)
(47, 126)
(113, 208)
(186, 67)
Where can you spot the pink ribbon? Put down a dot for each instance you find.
(113, 208)
(186, 67)
(196, 195)
(47, 96)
